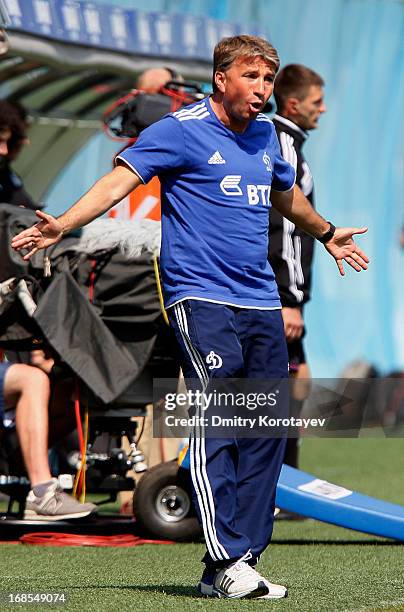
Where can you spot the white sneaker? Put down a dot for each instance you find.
(55, 505)
(239, 580)
(275, 591)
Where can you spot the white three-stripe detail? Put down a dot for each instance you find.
(196, 108)
(197, 112)
(288, 150)
(200, 454)
(298, 258)
(201, 499)
(289, 255)
(262, 117)
(194, 113)
(197, 449)
(187, 117)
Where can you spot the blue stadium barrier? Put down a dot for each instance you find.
(309, 496)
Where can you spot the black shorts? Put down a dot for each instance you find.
(296, 354)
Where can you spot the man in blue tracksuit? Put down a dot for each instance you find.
(220, 169)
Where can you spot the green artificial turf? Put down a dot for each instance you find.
(326, 567)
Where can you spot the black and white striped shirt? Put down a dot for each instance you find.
(291, 249)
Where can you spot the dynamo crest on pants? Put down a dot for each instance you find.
(214, 361)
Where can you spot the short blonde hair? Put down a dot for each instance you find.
(229, 49)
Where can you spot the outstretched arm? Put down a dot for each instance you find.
(294, 206)
(104, 194)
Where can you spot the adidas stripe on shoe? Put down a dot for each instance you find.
(238, 580)
(207, 589)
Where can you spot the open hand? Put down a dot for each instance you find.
(343, 248)
(41, 235)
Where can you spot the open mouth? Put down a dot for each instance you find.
(256, 106)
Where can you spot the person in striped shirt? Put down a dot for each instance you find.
(299, 96)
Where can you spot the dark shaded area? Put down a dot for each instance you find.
(100, 314)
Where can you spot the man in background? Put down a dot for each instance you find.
(13, 137)
(152, 80)
(144, 203)
(299, 97)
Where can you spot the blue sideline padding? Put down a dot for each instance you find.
(307, 495)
